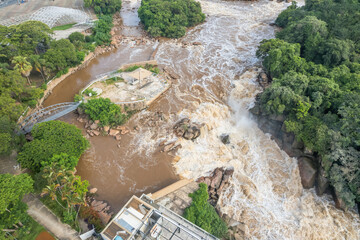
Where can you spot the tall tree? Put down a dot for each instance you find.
(38, 64)
(22, 66)
(12, 190)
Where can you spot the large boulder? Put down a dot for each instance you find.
(308, 170)
(263, 80)
(184, 128)
(113, 132)
(322, 183)
(216, 178)
(339, 203)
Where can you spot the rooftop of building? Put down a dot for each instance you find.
(142, 218)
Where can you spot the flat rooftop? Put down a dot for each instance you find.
(142, 218)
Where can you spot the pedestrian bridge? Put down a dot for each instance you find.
(47, 114)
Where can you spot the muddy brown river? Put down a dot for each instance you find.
(217, 86)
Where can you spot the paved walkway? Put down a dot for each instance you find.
(45, 217)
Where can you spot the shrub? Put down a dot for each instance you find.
(105, 111)
(76, 36)
(201, 213)
(89, 39)
(90, 91)
(92, 217)
(44, 86)
(80, 56)
(101, 30)
(78, 98)
(5, 143)
(50, 138)
(168, 18)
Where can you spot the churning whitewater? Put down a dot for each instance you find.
(217, 86)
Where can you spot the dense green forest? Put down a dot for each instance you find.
(27, 49)
(169, 18)
(315, 71)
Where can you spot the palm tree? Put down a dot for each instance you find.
(23, 66)
(38, 64)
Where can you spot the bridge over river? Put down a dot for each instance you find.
(47, 114)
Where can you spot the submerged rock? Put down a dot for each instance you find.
(225, 138)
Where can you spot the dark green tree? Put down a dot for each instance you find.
(52, 138)
(12, 190)
(170, 18)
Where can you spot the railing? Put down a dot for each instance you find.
(47, 114)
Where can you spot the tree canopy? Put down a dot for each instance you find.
(28, 48)
(52, 138)
(12, 190)
(315, 70)
(170, 18)
(105, 111)
(104, 6)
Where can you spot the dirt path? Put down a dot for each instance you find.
(45, 217)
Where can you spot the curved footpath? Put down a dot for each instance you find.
(46, 218)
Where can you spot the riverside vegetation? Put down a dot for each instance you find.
(314, 64)
(201, 213)
(56, 147)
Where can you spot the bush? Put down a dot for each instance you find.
(76, 36)
(80, 56)
(89, 39)
(105, 111)
(5, 143)
(51, 138)
(101, 30)
(90, 91)
(92, 217)
(201, 213)
(168, 18)
(89, 46)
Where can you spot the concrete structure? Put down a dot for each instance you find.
(51, 16)
(135, 90)
(176, 196)
(137, 76)
(46, 218)
(142, 218)
(11, 8)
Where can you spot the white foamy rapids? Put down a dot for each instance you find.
(265, 194)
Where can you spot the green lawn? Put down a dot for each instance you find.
(63, 27)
